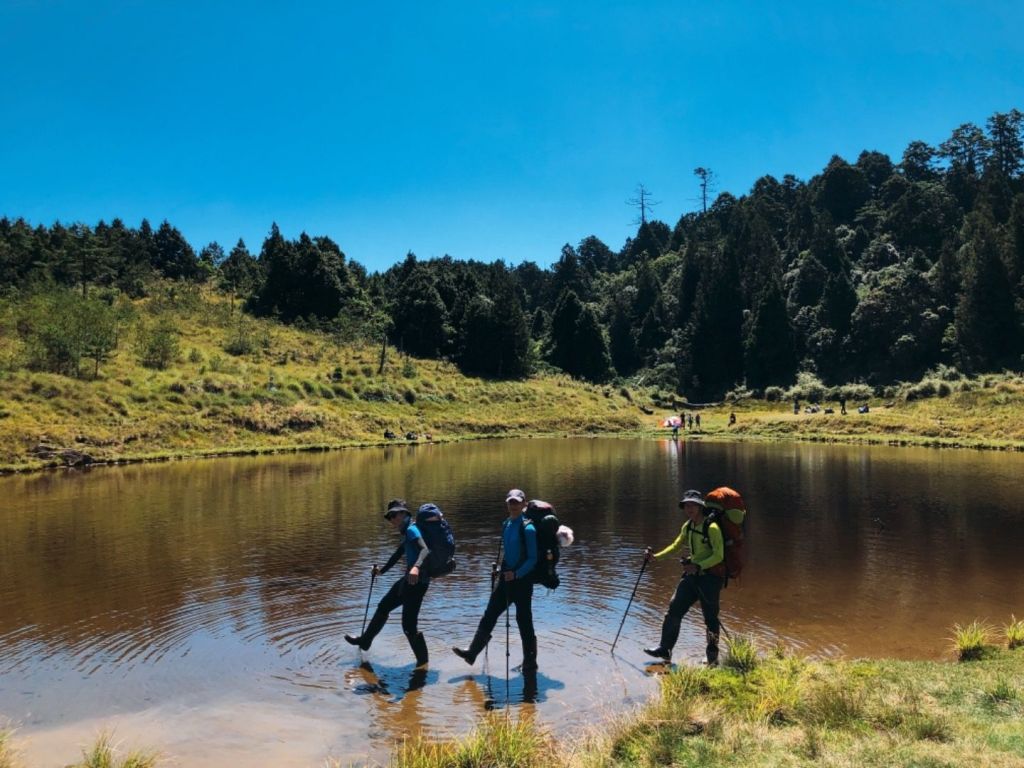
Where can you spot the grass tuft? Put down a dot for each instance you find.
(104, 754)
(970, 641)
(497, 742)
(1015, 633)
(8, 757)
(740, 654)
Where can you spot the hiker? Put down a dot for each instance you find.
(796, 406)
(842, 405)
(732, 418)
(698, 421)
(691, 422)
(408, 590)
(703, 578)
(513, 587)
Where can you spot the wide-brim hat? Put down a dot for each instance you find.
(692, 497)
(394, 507)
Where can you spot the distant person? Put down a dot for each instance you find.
(410, 588)
(796, 406)
(514, 585)
(691, 422)
(698, 421)
(675, 429)
(842, 404)
(732, 418)
(703, 578)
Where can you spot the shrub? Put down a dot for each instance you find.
(409, 368)
(158, 345)
(195, 356)
(808, 387)
(774, 394)
(410, 396)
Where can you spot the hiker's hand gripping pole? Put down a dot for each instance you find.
(647, 559)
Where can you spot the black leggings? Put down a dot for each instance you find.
(520, 594)
(706, 588)
(409, 596)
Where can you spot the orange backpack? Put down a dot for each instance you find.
(727, 508)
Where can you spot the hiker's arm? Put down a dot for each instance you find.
(673, 546)
(414, 571)
(717, 553)
(393, 559)
(530, 536)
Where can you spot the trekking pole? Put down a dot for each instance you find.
(494, 572)
(508, 651)
(373, 578)
(621, 623)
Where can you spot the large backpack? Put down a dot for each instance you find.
(727, 508)
(549, 551)
(440, 540)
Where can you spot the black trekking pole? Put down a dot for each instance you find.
(621, 623)
(373, 578)
(508, 651)
(495, 572)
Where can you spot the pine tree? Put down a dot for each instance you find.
(769, 352)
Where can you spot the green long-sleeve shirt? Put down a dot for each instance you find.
(703, 554)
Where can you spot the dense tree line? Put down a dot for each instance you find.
(873, 270)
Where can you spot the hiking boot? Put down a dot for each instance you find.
(659, 653)
(529, 655)
(419, 647)
(712, 649)
(469, 654)
(364, 644)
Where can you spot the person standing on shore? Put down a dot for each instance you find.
(703, 578)
(410, 588)
(514, 586)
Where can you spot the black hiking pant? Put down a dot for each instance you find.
(410, 597)
(507, 593)
(706, 588)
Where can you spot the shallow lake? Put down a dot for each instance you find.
(199, 607)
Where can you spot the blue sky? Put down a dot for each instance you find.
(481, 130)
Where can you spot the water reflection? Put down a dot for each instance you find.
(227, 585)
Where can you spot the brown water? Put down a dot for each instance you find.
(199, 607)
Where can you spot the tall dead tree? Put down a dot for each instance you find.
(643, 203)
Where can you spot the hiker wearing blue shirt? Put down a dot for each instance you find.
(514, 585)
(408, 591)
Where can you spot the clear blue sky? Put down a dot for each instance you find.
(481, 130)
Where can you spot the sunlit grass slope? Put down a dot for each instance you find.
(289, 388)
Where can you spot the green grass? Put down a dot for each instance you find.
(105, 754)
(295, 389)
(970, 641)
(740, 654)
(8, 757)
(1015, 633)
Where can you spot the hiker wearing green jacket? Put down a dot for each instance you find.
(703, 578)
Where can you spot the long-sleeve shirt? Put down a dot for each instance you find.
(514, 533)
(414, 552)
(703, 554)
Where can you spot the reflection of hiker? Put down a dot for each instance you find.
(408, 591)
(703, 577)
(514, 587)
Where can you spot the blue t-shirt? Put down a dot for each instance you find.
(511, 540)
(411, 537)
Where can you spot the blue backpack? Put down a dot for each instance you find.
(440, 540)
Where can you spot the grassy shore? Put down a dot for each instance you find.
(281, 388)
(769, 709)
(781, 710)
